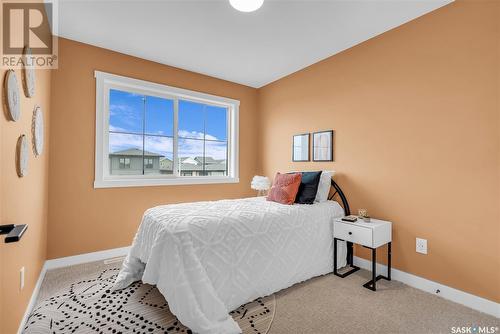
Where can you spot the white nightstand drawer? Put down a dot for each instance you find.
(357, 234)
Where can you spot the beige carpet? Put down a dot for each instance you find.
(330, 304)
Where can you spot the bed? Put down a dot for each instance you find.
(208, 258)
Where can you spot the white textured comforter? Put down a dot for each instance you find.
(208, 258)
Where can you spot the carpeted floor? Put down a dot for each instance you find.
(326, 304)
(330, 304)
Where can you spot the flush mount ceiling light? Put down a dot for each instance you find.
(246, 5)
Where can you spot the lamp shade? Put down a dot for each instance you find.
(246, 5)
(260, 183)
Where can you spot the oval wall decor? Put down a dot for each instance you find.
(22, 156)
(12, 95)
(37, 129)
(28, 73)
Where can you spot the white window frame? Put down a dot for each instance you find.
(103, 178)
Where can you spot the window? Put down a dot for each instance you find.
(151, 134)
(202, 139)
(148, 163)
(124, 163)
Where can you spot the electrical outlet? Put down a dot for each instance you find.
(21, 278)
(421, 246)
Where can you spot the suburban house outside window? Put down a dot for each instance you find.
(152, 134)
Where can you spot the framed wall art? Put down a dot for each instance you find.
(323, 146)
(300, 147)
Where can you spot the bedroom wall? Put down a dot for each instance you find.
(2, 72)
(23, 201)
(84, 219)
(417, 138)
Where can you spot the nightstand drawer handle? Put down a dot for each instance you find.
(350, 233)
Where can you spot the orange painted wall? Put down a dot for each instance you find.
(416, 119)
(416, 115)
(84, 219)
(23, 201)
(1, 245)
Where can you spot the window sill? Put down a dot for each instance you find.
(125, 183)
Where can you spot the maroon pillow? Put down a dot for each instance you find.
(285, 188)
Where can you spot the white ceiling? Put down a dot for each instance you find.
(212, 38)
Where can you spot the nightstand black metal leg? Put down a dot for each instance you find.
(372, 285)
(350, 253)
(335, 256)
(374, 269)
(350, 258)
(389, 261)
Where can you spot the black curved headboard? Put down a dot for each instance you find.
(339, 192)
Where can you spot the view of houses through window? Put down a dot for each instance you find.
(141, 136)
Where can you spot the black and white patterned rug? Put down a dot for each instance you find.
(88, 306)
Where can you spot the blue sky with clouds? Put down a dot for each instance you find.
(196, 122)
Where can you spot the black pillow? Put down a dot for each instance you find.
(308, 188)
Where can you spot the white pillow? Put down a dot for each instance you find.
(325, 182)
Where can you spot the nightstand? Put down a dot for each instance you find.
(371, 235)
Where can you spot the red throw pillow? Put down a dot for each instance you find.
(285, 188)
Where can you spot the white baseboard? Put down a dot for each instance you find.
(85, 258)
(31, 303)
(446, 292)
(65, 262)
